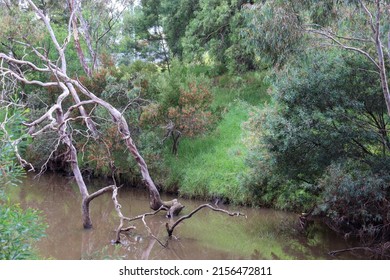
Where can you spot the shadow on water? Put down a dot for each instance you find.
(265, 234)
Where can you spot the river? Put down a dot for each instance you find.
(264, 234)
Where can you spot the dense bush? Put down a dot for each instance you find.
(355, 200)
(326, 110)
(184, 100)
(18, 230)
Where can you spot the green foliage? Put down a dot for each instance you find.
(17, 26)
(271, 30)
(10, 171)
(184, 99)
(235, 34)
(144, 36)
(18, 230)
(177, 15)
(355, 200)
(328, 109)
(322, 12)
(322, 110)
(209, 30)
(11, 136)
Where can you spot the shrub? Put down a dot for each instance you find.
(355, 200)
(18, 230)
(192, 115)
(183, 104)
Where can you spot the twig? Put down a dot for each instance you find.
(335, 252)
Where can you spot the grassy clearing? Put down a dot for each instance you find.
(212, 165)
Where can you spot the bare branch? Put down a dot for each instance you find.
(371, 18)
(367, 249)
(14, 143)
(151, 233)
(10, 59)
(6, 71)
(338, 42)
(124, 218)
(171, 228)
(74, 8)
(90, 125)
(60, 50)
(55, 107)
(100, 192)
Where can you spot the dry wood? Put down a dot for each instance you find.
(124, 218)
(172, 227)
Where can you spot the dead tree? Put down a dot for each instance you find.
(58, 119)
(121, 228)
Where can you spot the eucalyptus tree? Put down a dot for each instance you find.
(361, 27)
(95, 24)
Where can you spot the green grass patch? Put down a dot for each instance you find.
(251, 88)
(210, 166)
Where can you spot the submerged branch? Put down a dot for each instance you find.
(367, 249)
(124, 218)
(171, 228)
(377, 251)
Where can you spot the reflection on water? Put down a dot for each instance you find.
(265, 234)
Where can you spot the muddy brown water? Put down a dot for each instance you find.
(264, 234)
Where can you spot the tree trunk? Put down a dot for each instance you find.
(66, 139)
(87, 222)
(381, 58)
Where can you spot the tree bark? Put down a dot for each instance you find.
(76, 38)
(381, 58)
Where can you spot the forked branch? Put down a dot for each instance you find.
(124, 218)
(171, 228)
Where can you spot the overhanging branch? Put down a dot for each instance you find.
(344, 46)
